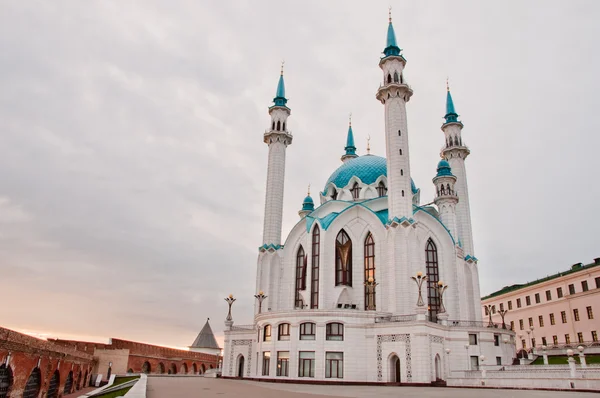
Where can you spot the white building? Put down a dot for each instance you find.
(320, 320)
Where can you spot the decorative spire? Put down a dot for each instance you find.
(308, 193)
(391, 47)
(280, 99)
(350, 148)
(451, 115)
(369, 143)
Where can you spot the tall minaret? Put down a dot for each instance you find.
(445, 198)
(277, 138)
(350, 148)
(394, 94)
(455, 152)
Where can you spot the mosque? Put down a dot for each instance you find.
(370, 285)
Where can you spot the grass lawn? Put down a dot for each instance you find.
(562, 359)
(114, 394)
(124, 379)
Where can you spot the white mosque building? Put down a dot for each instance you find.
(338, 298)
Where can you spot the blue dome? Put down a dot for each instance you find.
(368, 168)
(308, 204)
(443, 169)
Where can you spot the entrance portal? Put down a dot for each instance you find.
(394, 369)
(240, 366)
(438, 368)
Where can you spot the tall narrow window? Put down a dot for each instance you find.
(278, 125)
(343, 259)
(266, 363)
(355, 191)
(334, 365)
(267, 333)
(300, 277)
(396, 80)
(314, 286)
(334, 194)
(389, 78)
(283, 126)
(381, 189)
(370, 272)
(433, 299)
(283, 363)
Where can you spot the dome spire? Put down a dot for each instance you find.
(451, 115)
(308, 205)
(280, 99)
(350, 148)
(391, 47)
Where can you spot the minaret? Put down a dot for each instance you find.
(308, 205)
(350, 148)
(445, 198)
(277, 138)
(455, 152)
(394, 94)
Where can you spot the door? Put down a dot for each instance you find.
(241, 366)
(438, 368)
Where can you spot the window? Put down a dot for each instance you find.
(381, 189)
(537, 298)
(597, 282)
(524, 344)
(334, 331)
(563, 316)
(552, 321)
(355, 191)
(431, 264)
(555, 340)
(521, 324)
(518, 303)
(541, 320)
(472, 339)
(485, 308)
(497, 340)
(283, 363)
(528, 300)
(584, 286)
(284, 331)
(267, 333)
(300, 277)
(580, 337)
(594, 335)
(306, 365)
(370, 302)
(266, 362)
(567, 339)
(498, 360)
(589, 312)
(400, 151)
(548, 295)
(512, 325)
(576, 314)
(501, 306)
(474, 362)
(493, 309)
(307, 331)
(559, 293)
(530, 322)
(314, 286)
(334, 365)
(343, 259)
(544, 341)
(509, 305)
(571, 289)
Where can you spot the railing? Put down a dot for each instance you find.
(573, 346)
(243, 327)
(396, 318)
(478, 324)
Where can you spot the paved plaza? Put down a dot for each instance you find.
(187, 387)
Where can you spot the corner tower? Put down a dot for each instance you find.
(394, 93)
(277, 138)
(455, 152)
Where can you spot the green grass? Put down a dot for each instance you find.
(124, 379)
(114, 394)
(562, 359)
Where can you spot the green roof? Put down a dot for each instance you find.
(574, 268)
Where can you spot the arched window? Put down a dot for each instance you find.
(369, 272)
(278, 125)
(343, 259)
(399, 133)
(401, 78)
(267, 333)
(68, 384)
(400, 151)
(448, 189)
(401, 172)
(6, 380)
(146, 368)
(442, 189)
(283, 126)
(334, 194)
(456, 141)
(273, 126)
(194, 368)
(307, 331)
(433, 276)
(355, 191)
(33, 385)
(381, 189)
(161, 368)
(314, 285)
(283, 331)
(54, 385)
(403, 193)
(396, 80)
(300, 277)
(389, 78)
(334, 331)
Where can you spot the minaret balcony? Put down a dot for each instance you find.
(394, 89)
(461, 150)
(274, 135)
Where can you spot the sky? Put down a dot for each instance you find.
(132, 167)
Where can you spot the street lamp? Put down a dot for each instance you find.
(489, 308)
(419, 279)
(532, 339)
(260, 297)
(229, 301)
(441, 288)
(502, 315)
(370, 285)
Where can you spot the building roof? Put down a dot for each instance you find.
(350, 148)
(206, 338)
(574, 268)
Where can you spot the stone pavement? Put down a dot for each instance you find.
(189, 387)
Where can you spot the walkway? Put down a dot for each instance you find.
(186, 387)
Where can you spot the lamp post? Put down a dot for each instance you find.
(441, 288)
(489, 309)
(260, 297)
(502, 315)
(571, 361)
(545, 354)
(229, 320)
(419, 279)
(370, 285)
(582, 357)
(532, 340)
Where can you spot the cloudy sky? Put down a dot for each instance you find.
(132, 168)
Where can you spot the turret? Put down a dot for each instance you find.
(445, 198)
(307, 205)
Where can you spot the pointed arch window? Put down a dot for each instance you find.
(278, 125)
(343, 259)
(433, 277)
(283, 126)
(273, 126)
(314, 286)
(381, 189)
(300, 277)
(389, 78)
(334, 194)
(396, 80)
(369, 272)
(355, 191)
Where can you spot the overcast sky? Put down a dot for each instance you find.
(132, 167)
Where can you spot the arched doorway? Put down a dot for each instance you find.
(6, 380)
(438, 368)
(203, 368)
(34, 382)
(184, 368)
(130, 370)
(195, 368)
(161, 368)
(240, 367)
(85, 379)
(78, 383)
(173, 369)
(146, 368)
(395, 369)
(53, 386)
(68, 384)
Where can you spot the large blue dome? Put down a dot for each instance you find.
(368, 168)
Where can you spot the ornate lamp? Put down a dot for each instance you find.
(489, 309)
(260, 297)
(230, 301)
(370, 285)
(502, 315)
(441, 288)
(419, 279)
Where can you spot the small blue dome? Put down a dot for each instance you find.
(308, 204)
(443, 169)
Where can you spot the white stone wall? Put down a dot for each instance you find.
(274, 193)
